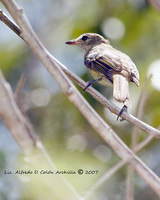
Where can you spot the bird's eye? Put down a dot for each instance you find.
(84, 38)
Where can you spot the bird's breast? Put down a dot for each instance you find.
(97, 75)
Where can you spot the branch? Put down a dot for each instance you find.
(14, 119)
(155, 3)
(134, 139)
(5, 19)
(19, 87)
(26, 139)
(98, 96)
(105, 131)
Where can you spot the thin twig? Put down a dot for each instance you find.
(140, 110)
(134, 139)
(155, 3)
(4, 18)
(105, 131)
(19, 87)
(14, 119)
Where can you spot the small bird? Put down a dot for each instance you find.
(108, 66)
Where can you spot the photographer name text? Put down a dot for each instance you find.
(50, 172)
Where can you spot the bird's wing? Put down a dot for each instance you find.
(130, 67)
(102, 68)
(134, 74)
(104, 56)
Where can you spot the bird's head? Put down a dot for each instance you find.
(88, 40)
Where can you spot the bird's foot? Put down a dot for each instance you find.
(124, 109)
(89, 83)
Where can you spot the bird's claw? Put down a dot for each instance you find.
(124, 109)
(89, 83)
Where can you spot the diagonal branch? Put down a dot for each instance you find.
(105, 131)
(134, 139)
(26, 138)
(14, 119)
(155, 4)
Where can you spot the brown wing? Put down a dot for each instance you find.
(99, 60)
(106, 59)
(110, 60)
(102, 68)
(104, 56)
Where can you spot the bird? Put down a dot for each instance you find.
(108, 66)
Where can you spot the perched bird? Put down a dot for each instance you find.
(108, 66)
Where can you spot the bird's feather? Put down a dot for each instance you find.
(121, 89)
(107, 60)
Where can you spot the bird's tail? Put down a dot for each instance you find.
(121, 89)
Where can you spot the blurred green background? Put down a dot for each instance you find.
(132, 26)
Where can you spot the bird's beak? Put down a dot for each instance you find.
(73, 42)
